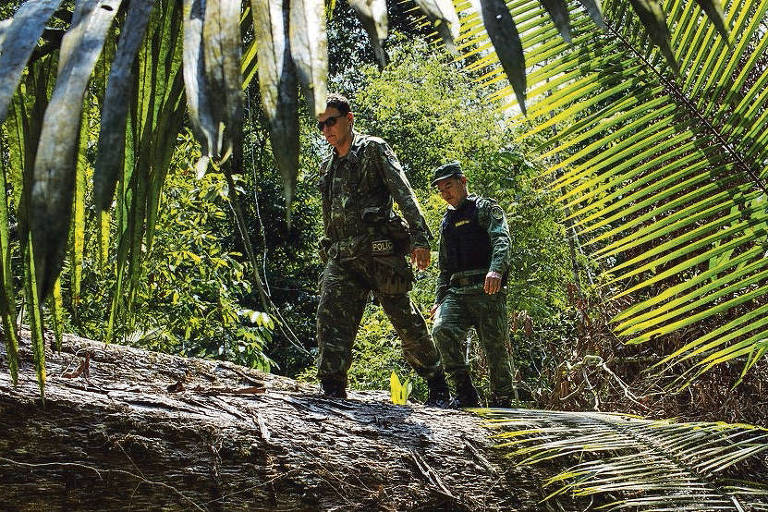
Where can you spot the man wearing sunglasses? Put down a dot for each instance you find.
(364, 250)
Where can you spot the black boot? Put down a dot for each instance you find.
(438, 391)
(466, 394)
(333, 388)
(500, 401)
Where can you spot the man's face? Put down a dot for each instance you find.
(336, 127)
(453, 189)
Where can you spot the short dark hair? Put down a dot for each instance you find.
(339, 102)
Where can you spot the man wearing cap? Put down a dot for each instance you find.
(474, 258)
(364, 250)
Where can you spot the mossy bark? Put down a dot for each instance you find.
(127, 429)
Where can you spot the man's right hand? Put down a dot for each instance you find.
(421, 256)
(433, 310)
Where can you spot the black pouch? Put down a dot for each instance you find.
(398, 232)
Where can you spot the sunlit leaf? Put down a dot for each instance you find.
(637, 464)
(309, 50)
(120, 87)
(20, 36)
(373, 16)
(52, 191)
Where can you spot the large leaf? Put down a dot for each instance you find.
(111, 146)
(595, 10)
(7, 297)
(34, 305)
(662, 172)
(442, 14)
(198, 96)
(503, 33)
(221, 49)
(278, 86)
(52, 192)
(651, 14)
(19, 38)
(309, 49)
(714, 10)
(373, 16)
(558, 10)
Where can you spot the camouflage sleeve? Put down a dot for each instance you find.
(322, 185)
(401, 191)
(444, 278)
(491, 216)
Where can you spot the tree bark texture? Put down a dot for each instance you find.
(127, 429)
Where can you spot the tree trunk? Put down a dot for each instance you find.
(128, 429)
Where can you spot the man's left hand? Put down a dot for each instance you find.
(421, 256)
(492, 282)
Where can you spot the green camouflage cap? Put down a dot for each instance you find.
(448, 170)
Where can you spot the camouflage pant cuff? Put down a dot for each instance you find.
(428, 373)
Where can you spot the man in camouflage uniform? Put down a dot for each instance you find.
(364, 250)
(473, 260)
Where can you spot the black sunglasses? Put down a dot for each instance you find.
(331, 121)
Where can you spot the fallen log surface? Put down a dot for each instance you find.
(128, 429)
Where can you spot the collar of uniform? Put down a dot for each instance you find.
(352, 155)
(463, 203)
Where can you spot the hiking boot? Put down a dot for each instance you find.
(438, 392)
(466, 394)
(524, 394)
(333, 389)
(500, 402)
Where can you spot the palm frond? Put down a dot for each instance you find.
(278, 86)
(650, 465)
(117, 100)
(7, 302)
(55, 161)
(663, 172)
(19, 38)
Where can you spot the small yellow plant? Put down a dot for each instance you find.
(399, 392)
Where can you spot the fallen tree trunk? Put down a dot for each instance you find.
(127, 429)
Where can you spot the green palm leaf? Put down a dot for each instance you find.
(662, 172)
(7, 301)
(54, 175)
(111, 146)
(638, 464)
(19, 38)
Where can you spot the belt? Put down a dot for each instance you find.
(461, 281)
(360, 246)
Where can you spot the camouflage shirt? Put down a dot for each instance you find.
(367, 179)
(491, 217)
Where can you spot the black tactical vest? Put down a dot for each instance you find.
(468, 244)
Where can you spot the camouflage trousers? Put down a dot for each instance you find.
(488, 314)
(344, 292)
